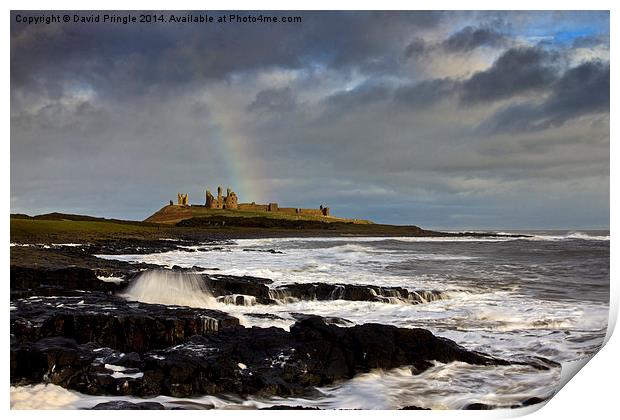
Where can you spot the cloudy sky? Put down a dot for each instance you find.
(440, 119)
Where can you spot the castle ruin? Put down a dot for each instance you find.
(231, 202)
(182, 199)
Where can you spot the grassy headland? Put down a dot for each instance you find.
(66, 228)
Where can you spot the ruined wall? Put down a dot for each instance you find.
(230, 201)
(274, 208)
(294, 210)
(220, 202)
(210, 201)
(289, 210)
(182, 199)
(312, 212)
(252, 207)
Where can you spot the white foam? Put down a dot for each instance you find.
(443, 386)
(41, 396)
(301, 262)
(170, 288)
(569, 236)
(246, 300)
(111, 279)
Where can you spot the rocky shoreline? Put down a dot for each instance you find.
(71, 328)
(191, 357)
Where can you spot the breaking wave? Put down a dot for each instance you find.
(170, 288)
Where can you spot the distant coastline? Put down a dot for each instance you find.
(71, 228)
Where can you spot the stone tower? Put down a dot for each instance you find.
(210, 203)
(230, 201)
(220, 201)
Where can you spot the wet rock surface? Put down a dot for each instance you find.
(222, 285)
(242, 361)
(27, 281)
(112, 321)
(63, 270)
(54, 276)
(69, 328)
(52, 257)
(526, 403)
(131, 246)
(126, 405)
(324, 291)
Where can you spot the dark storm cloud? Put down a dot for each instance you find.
(273, 100)
(368, 112)
(417, 47)
(133, 59)
(516, 71)
(360, 96)
(463, 41)
(492, 33)
(581, 90)
(426, 93)
(588, 41)
(470, 38)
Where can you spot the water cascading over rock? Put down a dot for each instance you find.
(171, 288)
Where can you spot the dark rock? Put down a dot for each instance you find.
(56, 282)
(221, 285)
(533, 400)
(414, 407)
(479, 406)
(263, 316)
(336, 320)
(270, 251)
(73, 281)
(420, 367)
(131, 360)
(289, 407)
(338, 353)
(237, 360)
(112, 321)
(329, 320)
(126, 405)
(192, 269)
(57, 257)
(122, 246)
(56, 359)
(324, 291)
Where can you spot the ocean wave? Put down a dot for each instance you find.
(170, 288)
(587, 237)
(443, 386)
(352, 248)
(553, 236)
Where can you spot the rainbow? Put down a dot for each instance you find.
(243, 172)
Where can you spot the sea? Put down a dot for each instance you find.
(544, 297)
